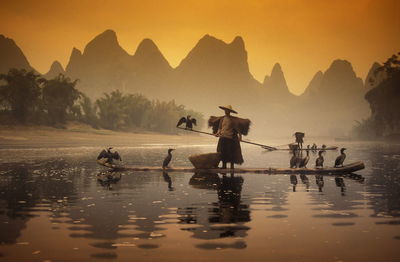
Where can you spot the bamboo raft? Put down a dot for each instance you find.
(346, 169)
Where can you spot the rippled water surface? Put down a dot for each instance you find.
(57, 204)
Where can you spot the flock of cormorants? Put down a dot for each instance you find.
(297, 161)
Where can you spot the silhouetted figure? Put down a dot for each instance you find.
(340, 159)
(229, 129)
(294, 161)
(167, 179)
(305, 181)
(304, 161)
(323, 147)
(299, 139)
(168, 158)
(319, 162)
(340, 183)
(189, 122)
(109, 155)
(319, 180)
(293, 181)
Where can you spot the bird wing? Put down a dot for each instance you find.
(116, 156)
(103, 154)
(181, 121)
(194, 121)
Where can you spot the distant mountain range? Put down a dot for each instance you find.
(213, 73)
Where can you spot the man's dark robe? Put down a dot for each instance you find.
(230, 147)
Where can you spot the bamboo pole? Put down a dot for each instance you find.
(243, 141)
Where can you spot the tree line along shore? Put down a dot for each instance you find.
(27, 98)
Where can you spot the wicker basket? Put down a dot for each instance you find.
(203, 161)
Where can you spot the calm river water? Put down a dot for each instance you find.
(57, 204)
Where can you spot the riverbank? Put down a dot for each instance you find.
(74, 135)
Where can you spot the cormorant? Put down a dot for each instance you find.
(314, 147)
(340, 159)
(294, 161)
(320, 160)
(109, 155)
(304, 161)
(167, 158)
(189, 122)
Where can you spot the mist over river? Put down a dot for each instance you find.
(58, 204)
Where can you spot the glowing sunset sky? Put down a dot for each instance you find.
(303, 36)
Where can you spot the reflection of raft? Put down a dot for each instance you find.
(353, 167)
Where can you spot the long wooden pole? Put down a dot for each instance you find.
(243, 141)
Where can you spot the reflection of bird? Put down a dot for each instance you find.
(294, 161)
(167, 158)
(189, 122)
(304, 161)
(304, 180)
(319, 180)
(320, 160)
(167, 179)
(340, 183)
(340, 159)
(109, 155)
(293, 181)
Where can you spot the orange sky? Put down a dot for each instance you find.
(303, 36)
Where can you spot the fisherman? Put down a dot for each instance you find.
(229, 129)
(299, 139)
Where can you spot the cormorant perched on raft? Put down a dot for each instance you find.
(189, 122)
(340, 159)
(304, 161)
(320, 160)
(109, 155)
(167, 158)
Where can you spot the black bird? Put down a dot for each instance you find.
(304, 161)
(294, 161)
(189, 122)
(167, 158)
(320, 160)
(109, 155)
(340, 159)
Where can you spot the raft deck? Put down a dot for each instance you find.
(346, 169)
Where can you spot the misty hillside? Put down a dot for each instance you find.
(213, 73)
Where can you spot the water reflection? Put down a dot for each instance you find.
(167, 179)
(107, 211)
(108, 178)
(221, 219)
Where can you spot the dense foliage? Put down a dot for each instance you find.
(25, 97)
(384, 101)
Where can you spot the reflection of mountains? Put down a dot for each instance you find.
(225, 218)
